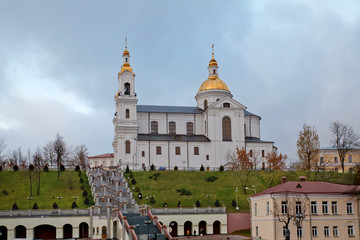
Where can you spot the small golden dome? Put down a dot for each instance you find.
(126, 67)
(213, 62)
(126, 52)
(213, 83)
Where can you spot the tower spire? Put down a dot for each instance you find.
(212, 51)
(125, 43)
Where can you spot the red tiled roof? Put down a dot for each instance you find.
(303, 187)
(106, 155)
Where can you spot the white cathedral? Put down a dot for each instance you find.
(186, 137)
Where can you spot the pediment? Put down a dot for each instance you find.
(233, 103)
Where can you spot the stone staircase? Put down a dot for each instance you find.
(143, 230)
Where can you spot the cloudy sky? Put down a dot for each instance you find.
(291, 62)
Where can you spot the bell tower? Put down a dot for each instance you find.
(125, 119)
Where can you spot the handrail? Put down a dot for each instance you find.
(159, 225)
(128, 227)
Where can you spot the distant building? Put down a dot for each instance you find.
(186, 137)
(330, 160)
(105, 160)
(323, 210)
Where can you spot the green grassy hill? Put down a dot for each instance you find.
(15, 187)
(222, 189)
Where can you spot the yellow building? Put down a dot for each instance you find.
(330, 160)
(313, 210)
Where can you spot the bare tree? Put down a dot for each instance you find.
(21, 158)
(61, 152)
(308, 145)
(255, 159)
(49, 153)
(39, 163)
(80, 154)
(344, 138)
(2, 157)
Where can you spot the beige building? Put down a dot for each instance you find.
(105, 160)
(330, 160)
(313, 210)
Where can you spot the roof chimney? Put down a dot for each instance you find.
(302, 178)
(283, 179)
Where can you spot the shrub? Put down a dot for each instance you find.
(131, 175)
(152, 200)
(165, 204)
(157, 174)
(140, 196)
(46, 168)
(0, 168)
(16, 168)
(176, 168)
(14, 207)
(198, 203)
(221, 169)
(5, 192)
(62, 168)
(202, 168)
(81, 180)
(31, 167)
(179, 203)
(82, 187)
(136, 189)
(86, 201)
(77, 168)
(133, 181)
(183, 191)
(74, 205)
(35, 206)
(127, 170)
(85, 193)
(233, 203)
(152, 167)
(79, 173)
(55, 206)
(217, 203)
(211, 178)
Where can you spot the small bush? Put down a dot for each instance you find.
(62, 168)
(133, 181)
(79, 173)
(82, 187)
(31, 167)
(211, 178)
(127, 170)
(183, 191)
(46, 168)
(55, 206)
(85, 193)
(136, 189)
(221, 169)
(152, 200)
(86, 201)
(150, 177)
(81, 180)
(157, 174)
(179, 204)
(5, 192)
(74, 205)
(14, 207)
(140, 196)
(198, 203)
(0, 168)
(35, 206)
(165, 204)
(217, 203)
(202, 168)
(16, 168)
(176, 168)
(233, 203)
(152, 167)
(77, 168)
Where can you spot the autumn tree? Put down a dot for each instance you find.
(275, 163)
(239, 162)
(308, 145)
(344, 139)
(61, 152)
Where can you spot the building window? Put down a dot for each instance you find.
(314, 231)
(127, 113)
(262, 153)
(205, 104)
(335, 231)
(350, 231)
(226, 105)
(257, 231)
(325, 207)
(267, 208)
(349, 208)
(104, 163)
(172, 128)
(226, 128)
(284, 207)
(298, 208)
(143, 153)
(154, 127)
(177, 150)
(189, 128)
(326, 231)
(158, 150)
(313, 207)
(96, 163)
(127, 88)
(335, 159)
(334, 208)
(350, 159)
(251, 153)
(207, 157)
(127, 146)
(196, 150)
(321, 160)
(299, 232)
(255, 209)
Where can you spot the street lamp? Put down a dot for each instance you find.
(236, 192)
(299, 217)
(30, 199)
(251, 188)
(59, 198)
(147, 222)
(75, 198)
(209, 196)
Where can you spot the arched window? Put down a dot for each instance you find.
(172, 128)
(214, 71)
(127, 88)
(189, 128)
(127, 113)
(216, 227)
(226, 105)
(205, 104)
(196, 150)
(126, 60)
(127, 146)
(154, 127)
(226, 128)
(350, 159)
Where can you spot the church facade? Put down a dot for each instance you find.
(183, 137)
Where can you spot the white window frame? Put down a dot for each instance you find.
(335, 231)
(284, 208)
(257, 231)
(314, 231)
(313, 207)
(325, 207)
(299, 232)
(334, 207)
(298, 207)
(326, 231)
(255, 209)
(350, 230)
(267, 208)
(349, 208)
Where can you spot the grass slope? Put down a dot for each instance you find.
(222, 189)
(17, 185)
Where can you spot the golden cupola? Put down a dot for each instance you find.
(126, 61)
(213, 82)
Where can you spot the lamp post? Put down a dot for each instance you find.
(59, 198)
(147, 222)
(75, 198)
(236, 192)
(299, 217)
(253, 189)
(30, 199)
(209, 197)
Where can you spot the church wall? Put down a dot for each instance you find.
(257, 151)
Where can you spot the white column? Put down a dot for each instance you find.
(59, 232)
(76, 232)
(30, 233)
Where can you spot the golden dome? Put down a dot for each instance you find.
(126, 67)
(213, 83)
(126, 52)
(213, 62)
